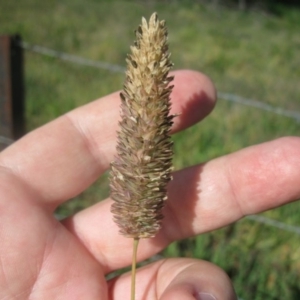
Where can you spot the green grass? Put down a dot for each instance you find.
(251, 54)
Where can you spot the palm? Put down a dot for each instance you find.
(48, 261)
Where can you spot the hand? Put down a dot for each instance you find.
(42, 258)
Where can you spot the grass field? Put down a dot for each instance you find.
(251, 54)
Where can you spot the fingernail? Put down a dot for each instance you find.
(205, 296)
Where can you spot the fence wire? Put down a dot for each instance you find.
(73, 58)
(260, 105)
(274, 223)
(225, 96)
(119, 69)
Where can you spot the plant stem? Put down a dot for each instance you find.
(133, 268)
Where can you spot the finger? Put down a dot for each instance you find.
(226, 189)
(62, 158)
(201, 198)
(185, 279)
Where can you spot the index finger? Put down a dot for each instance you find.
(61, 159)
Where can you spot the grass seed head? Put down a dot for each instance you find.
(142, 167)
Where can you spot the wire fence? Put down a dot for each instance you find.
(260, 105)
(225, 96)
(274, 223)
(73, 58)
(119, 69)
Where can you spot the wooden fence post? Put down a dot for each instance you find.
(12, 121)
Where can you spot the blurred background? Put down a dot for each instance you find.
(75, 52)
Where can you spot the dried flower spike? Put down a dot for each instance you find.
(142, 168)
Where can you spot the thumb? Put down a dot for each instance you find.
(195, 279)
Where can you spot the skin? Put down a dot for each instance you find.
(42, 258)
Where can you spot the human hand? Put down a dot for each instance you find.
(42, 258)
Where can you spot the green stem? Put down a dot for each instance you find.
(133, 268)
